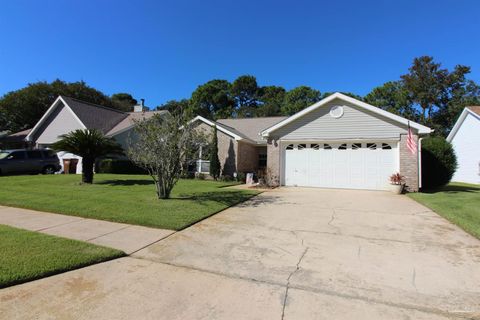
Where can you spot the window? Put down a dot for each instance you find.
(17, 155)
(289, 147)
(356, 146)
(386, 146)
(34, 154)
(372, 146)
(343, 146)
(315, 146)
(326, 146)
(301, 146)
(262, 160)
(49, 154)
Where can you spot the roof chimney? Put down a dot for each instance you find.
(139, 107)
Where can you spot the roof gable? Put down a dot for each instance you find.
(473, 111)
(94, 116)
(89, 115)
(360, 104)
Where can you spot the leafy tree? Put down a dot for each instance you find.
(439, 162)
(271, 99)
(21, 109)
(245, 92)
(90, 145)
(393, 97)
(438, 90)
(212, 100)
(298, 99)
(214, 160)
(161, 148)
(123, 101)
(175, 106)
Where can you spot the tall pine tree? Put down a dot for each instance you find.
(214, 161)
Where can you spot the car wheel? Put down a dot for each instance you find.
(48, 170)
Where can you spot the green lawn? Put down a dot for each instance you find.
(27, 255)
(121, 198)
(457, 202)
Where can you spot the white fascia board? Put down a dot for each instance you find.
(421, 129)
(211, 123)
(459, 122)
(47, 113)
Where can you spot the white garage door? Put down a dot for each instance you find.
(359, 165)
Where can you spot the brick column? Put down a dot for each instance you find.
(408, 164)
(273, 162)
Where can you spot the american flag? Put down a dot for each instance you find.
(411, 143)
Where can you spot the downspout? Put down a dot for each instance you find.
(419, 162)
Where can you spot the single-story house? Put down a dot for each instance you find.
(15, 140)
(338, 142)
(68, 114)
(465, 139)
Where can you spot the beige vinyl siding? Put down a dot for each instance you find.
(356, 123)
(60, 121)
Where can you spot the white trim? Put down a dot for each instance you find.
(419, 155)
(337, 95)
(219, 127)
(459, 122)
(49, 111)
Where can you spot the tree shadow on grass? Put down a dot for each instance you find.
(454, 189)
(228, 198)
(127, 182)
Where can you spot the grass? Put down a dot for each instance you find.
(121, 198)
(457, 202)
(27, 255)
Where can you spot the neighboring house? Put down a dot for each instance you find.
(339, 142)
(465, 138)
(14, 140)
(67, 114)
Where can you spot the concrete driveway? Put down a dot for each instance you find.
(291, 253)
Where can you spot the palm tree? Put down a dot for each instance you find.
(88, 144)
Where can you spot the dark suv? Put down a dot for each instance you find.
(29, 161)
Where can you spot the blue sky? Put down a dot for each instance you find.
(162, 50)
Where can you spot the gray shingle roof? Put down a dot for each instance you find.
(249, 128)
(130, 120)
(95, 116)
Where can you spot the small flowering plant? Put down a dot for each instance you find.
(397, 179)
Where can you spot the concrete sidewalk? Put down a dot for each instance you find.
(125, 237)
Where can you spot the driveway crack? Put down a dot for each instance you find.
(297, 267)
(414, 277)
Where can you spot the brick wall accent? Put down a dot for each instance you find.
(408, 164)
(273, 161)
(247, 157)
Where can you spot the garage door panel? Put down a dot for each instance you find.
(365, 165)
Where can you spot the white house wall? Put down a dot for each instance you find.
(466, 143)
(354, 124)
(60, 121)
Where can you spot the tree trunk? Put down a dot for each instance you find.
(163, 189)
(87, 170)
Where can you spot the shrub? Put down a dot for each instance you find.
(241, 177)
(119, 166)
(214, 160)
(226, 178)
(439, 162)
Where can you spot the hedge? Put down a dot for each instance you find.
(439, 162)
(119, 166)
